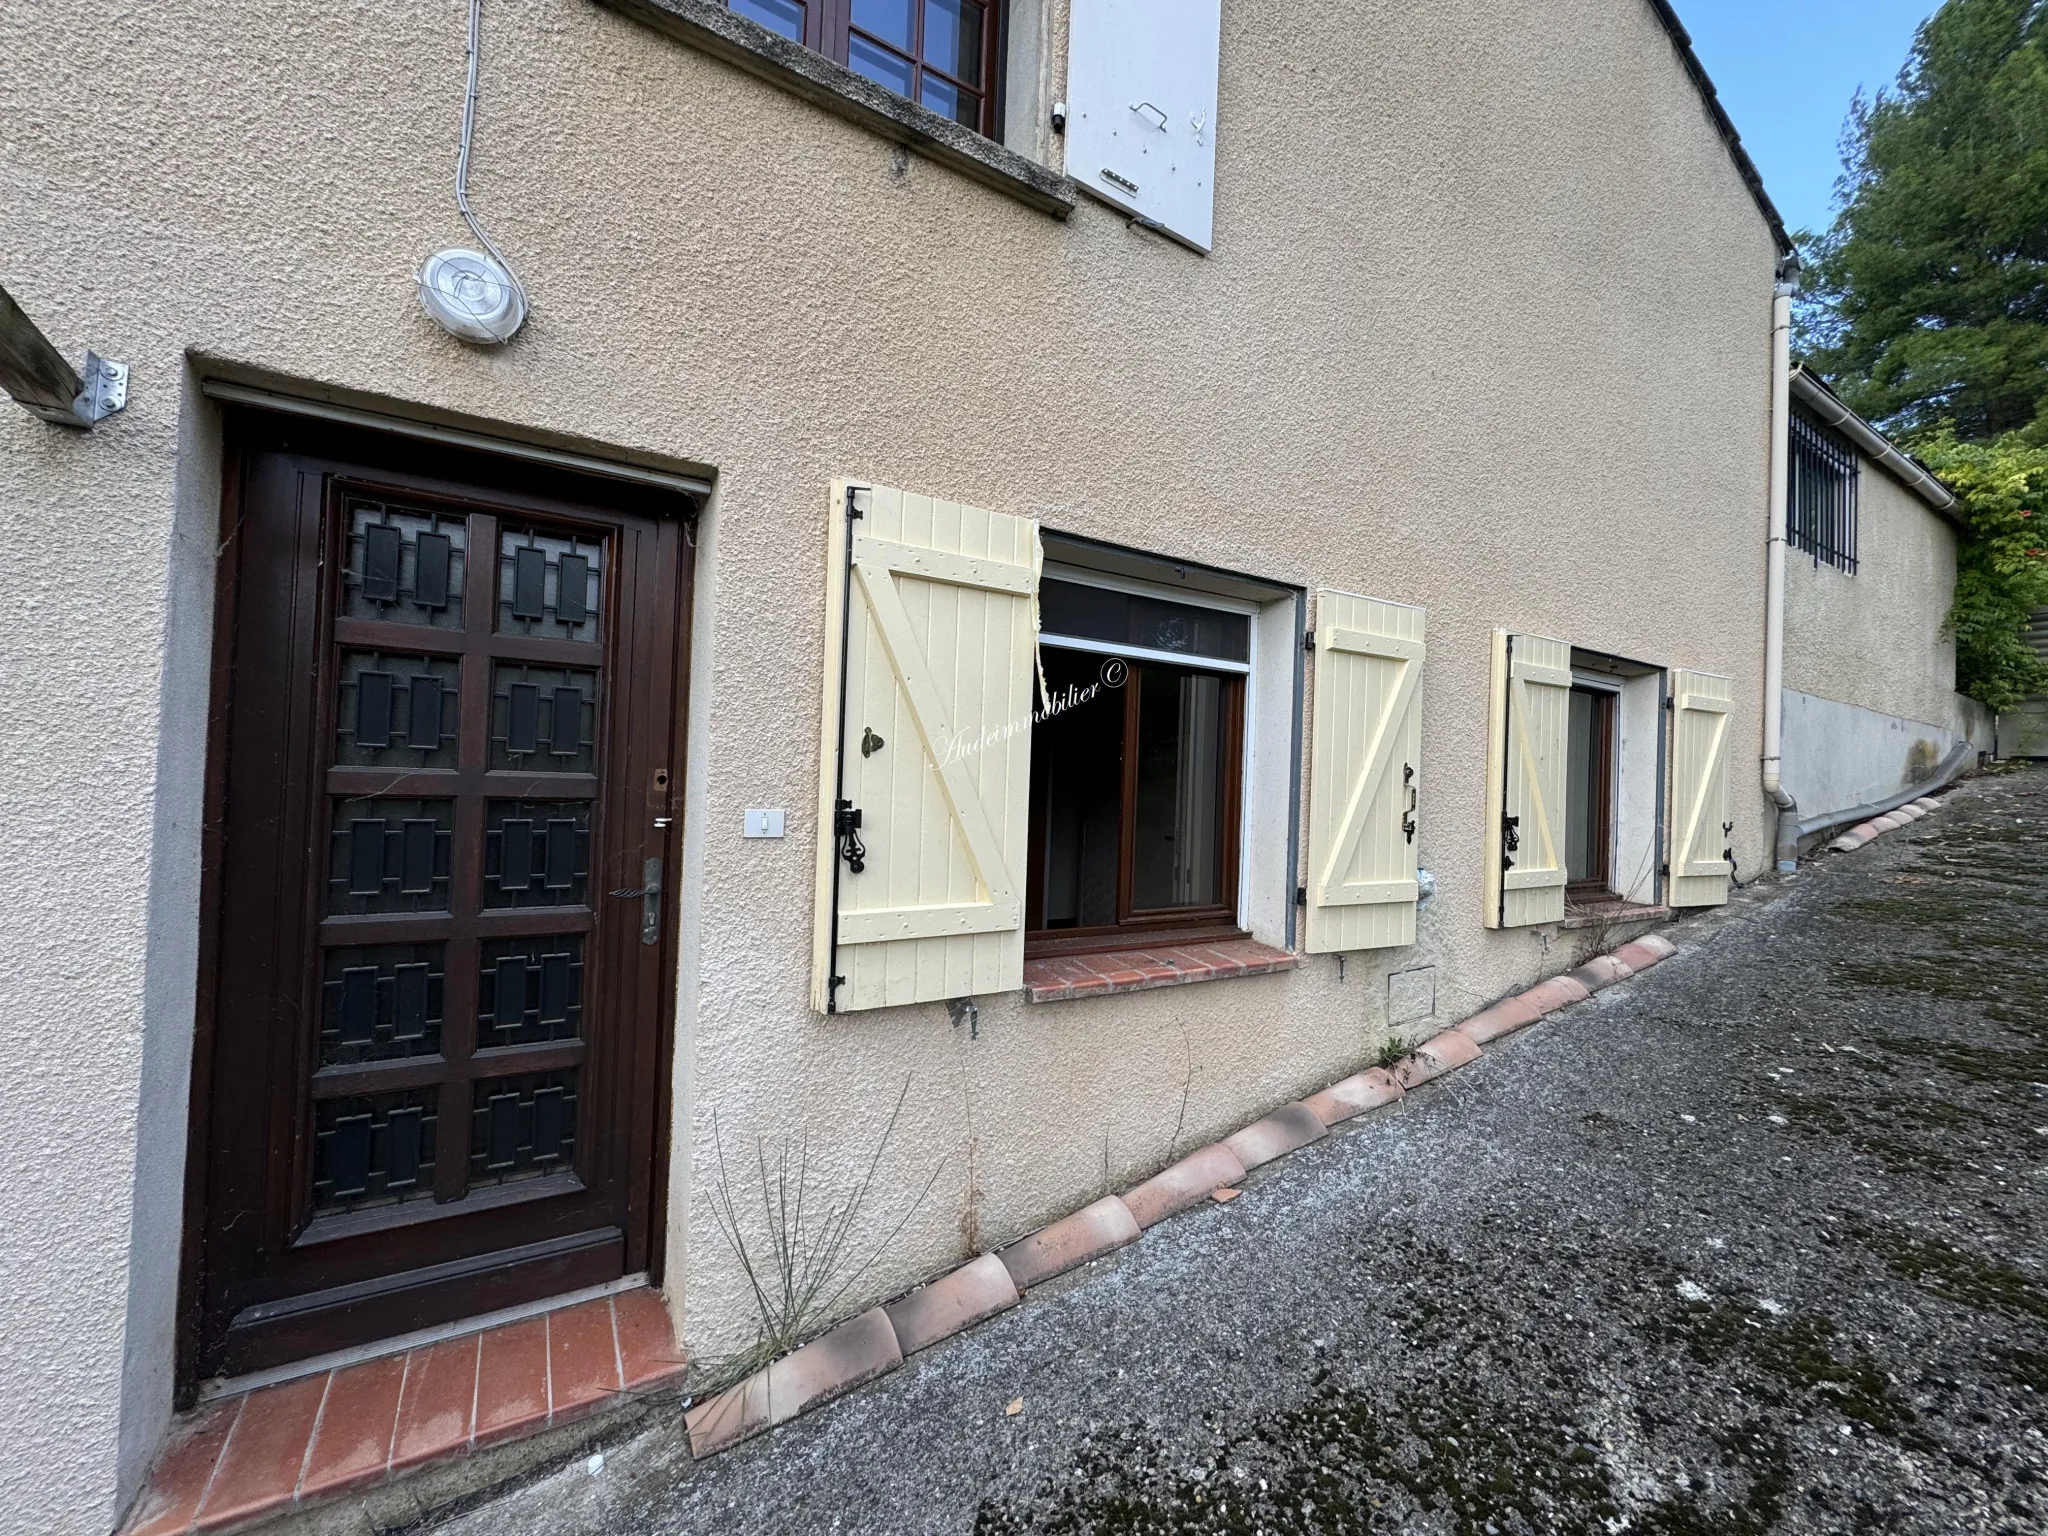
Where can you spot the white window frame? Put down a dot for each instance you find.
(1247, 669)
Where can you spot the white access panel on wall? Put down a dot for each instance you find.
(1141, 108)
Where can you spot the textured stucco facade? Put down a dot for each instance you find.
(1870, 667)
(1486, 329)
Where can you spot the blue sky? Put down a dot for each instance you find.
(1786, 71)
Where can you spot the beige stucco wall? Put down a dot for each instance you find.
(1870, 703)
(1876, 639)
(1485, 329)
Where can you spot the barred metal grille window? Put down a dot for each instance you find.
(1821, 518)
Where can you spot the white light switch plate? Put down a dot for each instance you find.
(764, 823)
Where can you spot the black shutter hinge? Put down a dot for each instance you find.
(1408, 815)
(846, 829)
(1510, 839)
(853, 511)
(1308, 640)
(1301, 895)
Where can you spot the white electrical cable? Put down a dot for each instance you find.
(472, 294)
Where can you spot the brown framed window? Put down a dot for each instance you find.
(1136, 770)
(943, 53)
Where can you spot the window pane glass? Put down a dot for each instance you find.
(1077, 776)
(1179, 812)
(784, 16)
(890, 20)
(879, 65)
(948, 100)
(1095, 613)
(952, 38)
(1584, 842)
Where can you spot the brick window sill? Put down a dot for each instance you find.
(709, 26)
(1060, 978)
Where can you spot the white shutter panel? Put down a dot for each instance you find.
(934, 751)
(1700, 824)
(1526, 741)
(1141, 108)
(1364, 766)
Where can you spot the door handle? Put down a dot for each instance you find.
(649, 893)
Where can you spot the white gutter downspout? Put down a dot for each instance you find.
(1787, 840)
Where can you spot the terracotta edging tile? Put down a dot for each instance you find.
(352, 1446)
(856, 1352)
(1286, 1129)
(1183, 1184)
(953, 1302)
(738, 1413)
(1089, 1233)
(1599, 972)
(1434, 1057)
(1373, 1088)
(259, 1469)
(1640, 954)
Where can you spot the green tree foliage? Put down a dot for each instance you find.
(1928, 298)
(2001, 562)
(1926, 306)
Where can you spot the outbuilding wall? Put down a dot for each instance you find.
(1870, 700)
(1485, 329)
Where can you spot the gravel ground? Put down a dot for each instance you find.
(1754, 1243)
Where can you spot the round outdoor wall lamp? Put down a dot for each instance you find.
(472, 294)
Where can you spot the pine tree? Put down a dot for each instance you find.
(1927, 301)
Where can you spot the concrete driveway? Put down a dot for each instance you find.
(1753, 1243)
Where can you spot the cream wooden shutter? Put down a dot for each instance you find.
(1700, 824)
(932, 750)
(1529, 724)
(1364, 766)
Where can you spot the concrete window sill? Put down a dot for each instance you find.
(1058, 978)
(709, 26)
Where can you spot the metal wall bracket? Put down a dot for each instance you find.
(35, 374)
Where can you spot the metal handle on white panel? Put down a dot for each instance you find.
(1146, 106)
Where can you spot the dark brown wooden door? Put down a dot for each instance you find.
(434, 1010)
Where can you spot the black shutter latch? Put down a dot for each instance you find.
(846, 828)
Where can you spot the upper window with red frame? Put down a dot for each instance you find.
(938, 52)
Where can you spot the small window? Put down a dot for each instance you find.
(1821, 507)
(938, 52)
(1136, 769)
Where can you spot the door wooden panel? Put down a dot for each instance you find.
(434, 1028)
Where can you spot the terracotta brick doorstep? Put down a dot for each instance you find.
(297, 1443)
(1069, 1242)
(1908, 812)
(1434, 1057)
(1887, 822)
(1354, 1095)
(1601, 971)
(951, 1303)
(1183, 1184)
(1849, 842)
(1928, 803)
(1287, 1129)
